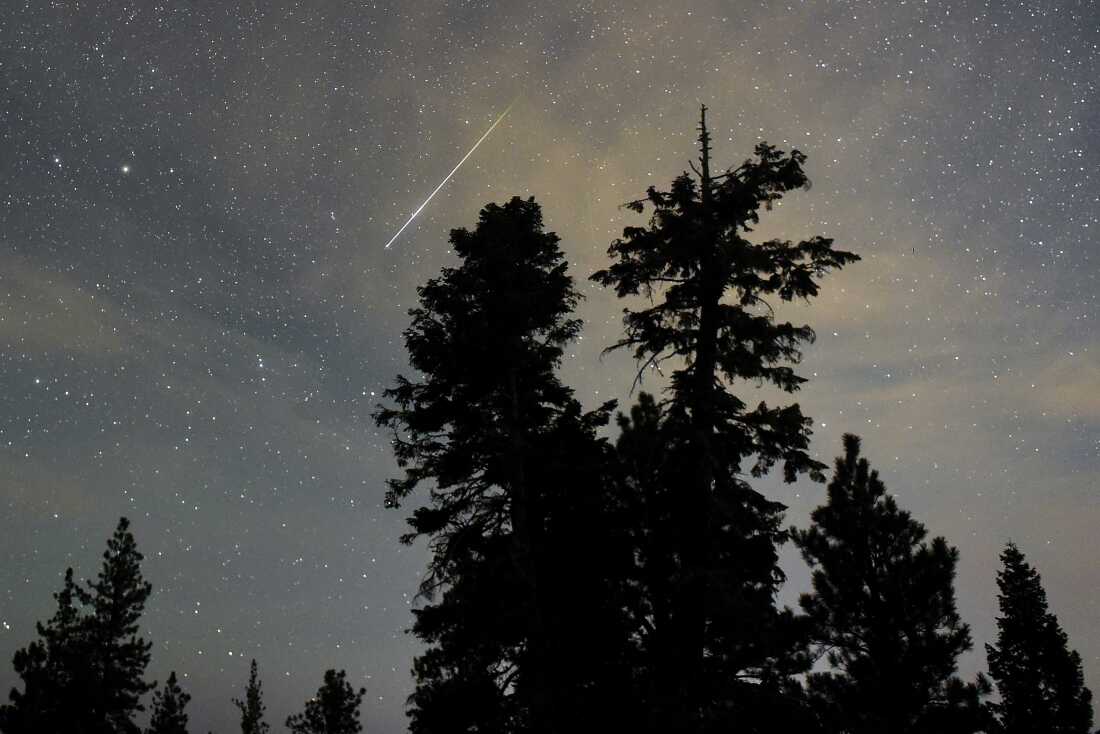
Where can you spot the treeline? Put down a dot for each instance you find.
(86, 672)
(582, 584)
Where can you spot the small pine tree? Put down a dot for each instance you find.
(334, 710)
(1039, 678)
(252, 707)
(883, 612)
(169, 703)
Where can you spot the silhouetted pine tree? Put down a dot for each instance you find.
(1039, 678)
(586, 563)
(883, 612)
(334, 710)
(87, 672)
(169, 716)
(474, 628)
(513, 461)
(709, 288)
(252, 707)
(754, 651)
(116, 600)
(55, 672)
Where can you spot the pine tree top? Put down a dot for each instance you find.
(169, 704)
(252, 708)
(709, 307)
(334, 710)
(883, 611)
(1039, 678)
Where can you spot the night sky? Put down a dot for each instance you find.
(198, 315)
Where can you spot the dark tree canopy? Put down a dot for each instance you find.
(475, 631)
(512, 460)
(486, 340)
(117, 600)
(252, 707)
(753, 650)
(334, 710)
(1038, 677)
(86, 673)
(169, 704)
(883, 612)
(709, 289)
(54, 670)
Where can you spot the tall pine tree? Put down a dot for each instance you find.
(1039, 679)
(86, 674)
(501, 439)
(252, 707)
(169, 704)
(116, 600)
(709, 288)
(334, 710)
(883, 612)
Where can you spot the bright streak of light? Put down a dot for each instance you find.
(448, 178)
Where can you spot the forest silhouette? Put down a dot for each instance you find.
(583, 579)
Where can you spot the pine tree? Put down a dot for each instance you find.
(586, 562)
(169, 716)
(474, 630)
(1039, 678)
(86, 673)
(710, 288)
(883, 612)
(495, 431)
(117, 598)
(334, 710)
(252, 707)
(55, 671)
(754, 652)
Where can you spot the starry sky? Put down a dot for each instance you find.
(198, 315)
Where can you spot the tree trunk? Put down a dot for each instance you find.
(694, 526)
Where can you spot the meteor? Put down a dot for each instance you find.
(448, 177)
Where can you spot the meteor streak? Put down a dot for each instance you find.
(448, 178)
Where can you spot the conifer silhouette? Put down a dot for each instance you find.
(334, 710)
(252, 707)
(55, 671)
(169, 716)
(503, 440)
(709, 289)
(883, 612)
(1038, 677)
(116, 600)
(86, 674)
